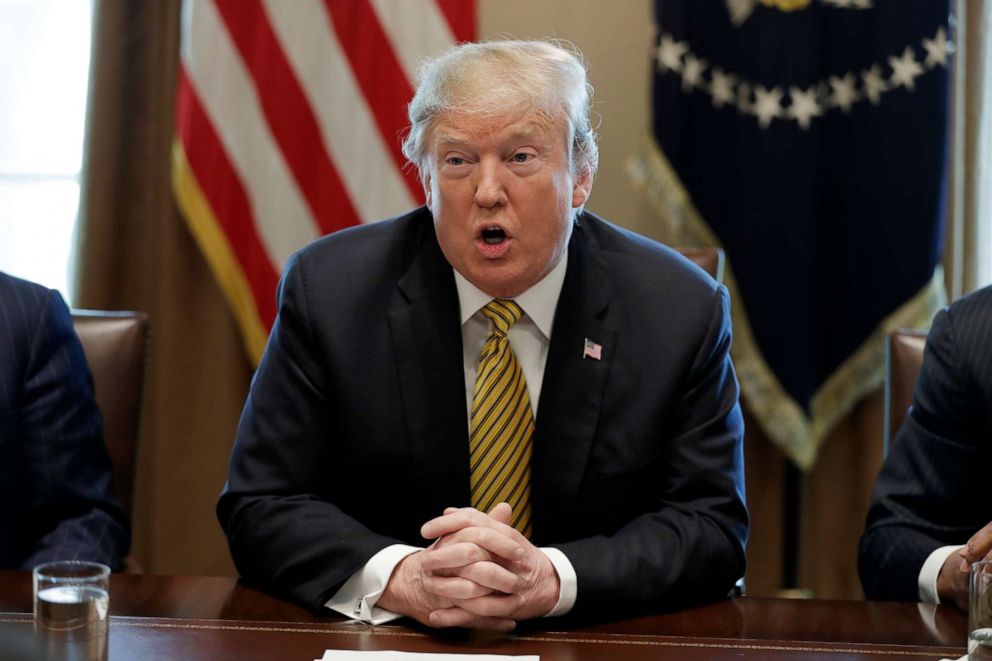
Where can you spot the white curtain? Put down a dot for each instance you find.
(969, 232)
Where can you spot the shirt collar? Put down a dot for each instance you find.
(538, 302)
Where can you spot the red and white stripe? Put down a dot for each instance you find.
(288, 126)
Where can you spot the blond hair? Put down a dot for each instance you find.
(498, 77)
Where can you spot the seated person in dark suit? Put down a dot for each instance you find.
(549, 396)
(55, 472)
(929, 520)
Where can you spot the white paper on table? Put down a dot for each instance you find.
(390, 655)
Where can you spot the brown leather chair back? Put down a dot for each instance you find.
(709, 259)
(903, 360)
(115, 344)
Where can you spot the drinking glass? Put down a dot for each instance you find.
(71, 599)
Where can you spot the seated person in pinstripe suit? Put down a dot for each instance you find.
(55, 472)
(929, 518)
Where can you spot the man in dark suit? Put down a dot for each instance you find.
(928, 520)
(617, 451)
(55, 472)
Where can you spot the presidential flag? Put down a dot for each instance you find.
(808, 139)
(289, 120)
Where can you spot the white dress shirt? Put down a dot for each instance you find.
(529, 338)
(927, 581)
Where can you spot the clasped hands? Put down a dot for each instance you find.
(479, 572)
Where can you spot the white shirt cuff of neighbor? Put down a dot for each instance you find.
(927, 581)
(356, 598)
(568, 581)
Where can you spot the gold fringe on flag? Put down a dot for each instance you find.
(206, 230)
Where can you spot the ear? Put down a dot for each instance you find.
(581, 187)
(425, 180)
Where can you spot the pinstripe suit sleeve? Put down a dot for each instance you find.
(932, 489)
(68, 509)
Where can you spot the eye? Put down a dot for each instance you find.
(455, 160)
(522, 157)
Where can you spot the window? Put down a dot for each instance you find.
(44, 66)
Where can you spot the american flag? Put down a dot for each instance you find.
(592, 350)
(289, 118)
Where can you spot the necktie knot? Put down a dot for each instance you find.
(503, 314)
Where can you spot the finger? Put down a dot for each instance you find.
(489, 575)
(503, 513)
(457, 617)
(478, 528)
(465, 517)
(493, 541)
(453, 519)
(979, 544)
(454, 587)
(492, 576)
(452, 556)
(499, 606)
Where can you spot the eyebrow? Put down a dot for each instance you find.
(446, 137)
(528, 132)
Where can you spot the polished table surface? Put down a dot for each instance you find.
(186, 617)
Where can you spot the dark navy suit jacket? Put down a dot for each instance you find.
(933, 488)
(54, 469)
(355, 432)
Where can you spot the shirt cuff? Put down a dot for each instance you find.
(568, 581)
(927, 581)
(357, 597)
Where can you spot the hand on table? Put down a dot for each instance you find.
(479, 572)
(952, 582)
(510, 580)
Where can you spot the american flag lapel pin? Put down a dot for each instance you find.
(592, 350)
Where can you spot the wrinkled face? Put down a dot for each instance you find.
(502, 193)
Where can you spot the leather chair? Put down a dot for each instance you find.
(115, 344)
(903, 360)
(709, 259)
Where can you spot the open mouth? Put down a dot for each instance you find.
(493, 236)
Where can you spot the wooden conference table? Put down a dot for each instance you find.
(191, 618)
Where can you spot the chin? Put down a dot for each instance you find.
(499, 287)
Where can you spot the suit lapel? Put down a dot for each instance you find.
(427, 339)
(573, 387)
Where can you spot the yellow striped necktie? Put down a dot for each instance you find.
(502, 424)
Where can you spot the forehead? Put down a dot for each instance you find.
(473, 128)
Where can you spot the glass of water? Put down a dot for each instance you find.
(980, 611)
(71, 599)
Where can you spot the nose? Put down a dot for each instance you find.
(489, 190)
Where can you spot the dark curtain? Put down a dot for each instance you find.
(135, 253)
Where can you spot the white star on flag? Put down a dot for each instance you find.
(875, 84)
(670, 54)
(804, 106)
(843, 92)
(722, 87)
(905, 69)
(740, 10)
(692, 74)
(937, 49)
(767, 104)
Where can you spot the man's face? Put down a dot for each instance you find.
(501, 191)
